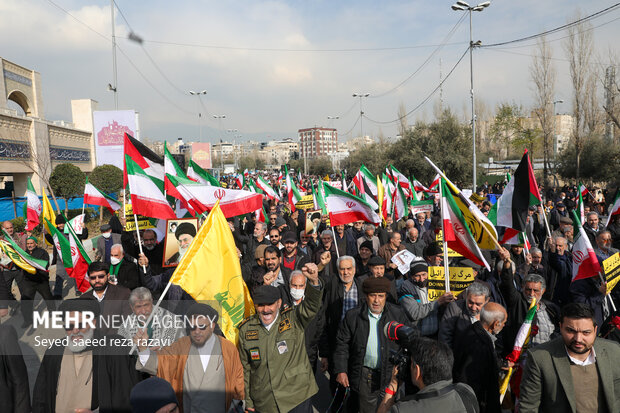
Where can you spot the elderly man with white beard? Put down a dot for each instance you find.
(85, 373)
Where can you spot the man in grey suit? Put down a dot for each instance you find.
(576, 372)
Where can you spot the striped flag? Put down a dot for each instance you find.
(266, 188)
(292, 191)
(196, 173)
(93, 196)
(580, 207)
(585, 263)
(345, 208)
(151, 163)
(32, 207)
(615, 209)
(147, 197)
(74, 257)
(583, 190)
(401, 179)
(20, 257)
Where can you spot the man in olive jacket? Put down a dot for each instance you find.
(278, 376)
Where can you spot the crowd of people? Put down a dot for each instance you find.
(325, 300)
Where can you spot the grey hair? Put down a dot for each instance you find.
(327, 233)
(477, 288)
(410, 221)
(560, 238)
(296, 272)
(535, 278)
(140, 294)
(369, 226)
(393, 234)
(344, 258)
(118, 246)
(535, 250)
(592, 213)
(488, 317)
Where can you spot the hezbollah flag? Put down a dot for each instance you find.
(20, 257)
(47, 214)
(214, 248)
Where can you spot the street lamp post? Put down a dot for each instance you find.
(460, 6)
(197, 94)
(219, 118)
(361, 95)
(555, 133)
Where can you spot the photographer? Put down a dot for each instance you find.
(431, 372)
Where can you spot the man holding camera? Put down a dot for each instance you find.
(362, 356)
(431, 372)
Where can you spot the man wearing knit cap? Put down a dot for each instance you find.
(361, 359)
(362, 259)
(204, 369)
(153, 395)
(413, 297)
(278, 376)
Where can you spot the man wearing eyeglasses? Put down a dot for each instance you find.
(204, 369)
(83, 373)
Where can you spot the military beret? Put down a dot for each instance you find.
(376, 260)
(376, 285)
(266, 294)
(185, 228)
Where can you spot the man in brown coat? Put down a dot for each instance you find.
(204, 369)
(387, 251)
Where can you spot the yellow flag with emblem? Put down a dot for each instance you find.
(47, 213)
(210, 271)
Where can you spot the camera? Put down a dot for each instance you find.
(403, 336)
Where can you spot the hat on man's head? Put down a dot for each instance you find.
(105, 227)
(150, 395)
(185, 228)
(260, 251)
(432, 249)
(566, 220)
(532, 208)
(279, 222)
(289, 236)
(376, 285)
(367, 244)
(202, 309)
(418, 266)
(266, 294)
(560, 205)
(60, 219)
(376, 260)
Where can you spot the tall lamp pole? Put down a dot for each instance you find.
(461, 6)
(197, 94)
(555, 133)
(219, 118)
(361, 95)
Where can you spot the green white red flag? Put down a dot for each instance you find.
(197, 174)
(266, 188)
(585, 263)
(615, 209)
(147, 197)
(293, 194)
(32, 207)
(523, 335)
(151, 163)
(345, 208)
(74, 258)
(93, 196)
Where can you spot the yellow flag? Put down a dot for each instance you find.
(9, 252)
(380, 195)
(210, 271)
(47, 213)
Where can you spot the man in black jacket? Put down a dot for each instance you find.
(37, 282)
(361, 359)
(14, 389)
(123, 270)
(476, 361)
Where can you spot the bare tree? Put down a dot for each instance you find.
(543, 76)
(41, 165)
(578, 47)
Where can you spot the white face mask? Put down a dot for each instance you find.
(114, 260)
(297, 294)
(106, 235)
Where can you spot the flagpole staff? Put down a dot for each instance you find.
(446, 267)
(489, 233)
(135, 217)
(335, 242)
(150, 317)
(611, 301)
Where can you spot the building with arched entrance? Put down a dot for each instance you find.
(30, 145)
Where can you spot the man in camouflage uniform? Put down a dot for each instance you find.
(278, 375)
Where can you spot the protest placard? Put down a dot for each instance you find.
(460, 279)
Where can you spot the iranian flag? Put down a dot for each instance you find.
(344, 181)
(93, 196)
(318, 198)
(580, 206)
(345, 208)
(615, 209)
(32, 207)
(197, 174)
(521, 192)
(147, 197)
(261, 215)
(401, 209)
(583, 190)
(151, 163)
(239, 181)
(523, 336)
(202, 197)
(585, 263)
(74, 258)
(401, 179)
(366, 187)
(266, 188)
(417, 185)
(456, 231)
(293, 194)
(434, 188)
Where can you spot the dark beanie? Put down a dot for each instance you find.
(418, 266)
(60, 219)
(367, 244)
(150, 395)
(376, 285)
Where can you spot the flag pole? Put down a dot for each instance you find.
(157, 305)
(611, 301)
(135, 217)
(446, 266)
(489, 233)
(335, 242)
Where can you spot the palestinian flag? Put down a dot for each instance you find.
(197, 174)
(151, 163)
(32, 207)
(365, 184)
(147, 197)
(171, 167)
(292, 191)
(615, 209)
(202, 197)
(520, 192)
(583, 190)
(93, 196)
(518, 239)
(456, 230)
(585, 263)
(74, 258)
(266, 188)
(20, 257)
(345, 208)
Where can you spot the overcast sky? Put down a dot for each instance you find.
(273, 67)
